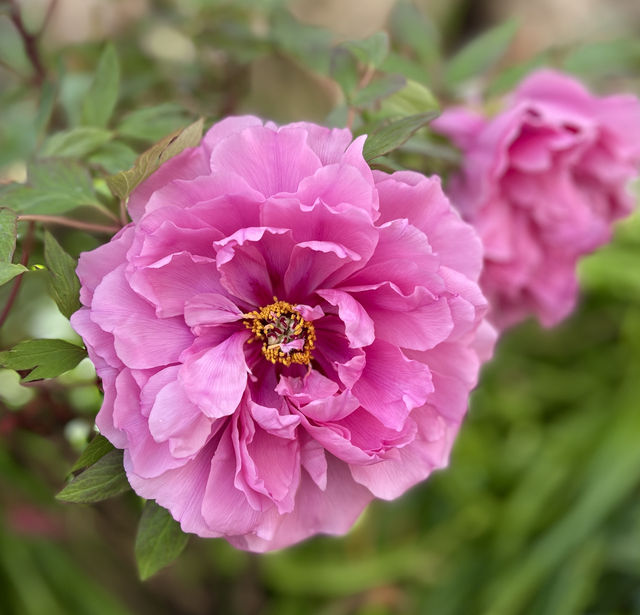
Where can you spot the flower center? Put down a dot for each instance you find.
(286, 337)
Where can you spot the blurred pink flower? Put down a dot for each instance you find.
(542, 182)
(281, 333)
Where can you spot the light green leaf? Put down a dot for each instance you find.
(102, 96)
(45, 358)
(370, 51)
(8, 271)
(95, 450)
(54, 187)
(121, 184)
(413, 99)
(64, 285)
(411, 27)
(153, 123)
(378, 90)
(159, 540)
(75, 143)
(393, 135)
(104, 479)
(604, 58)
(479, 55)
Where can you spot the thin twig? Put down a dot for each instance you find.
(47, 18)
(15, 289)
(30, 42)
(85, 226)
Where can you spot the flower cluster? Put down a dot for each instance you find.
(283, 334)
(542, 182)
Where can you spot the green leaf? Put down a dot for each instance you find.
(370, 51)
(479, 55)
(8, 271)
(75, 143)
(45, 358)
(413, 99)
(153, 123)
(344, 70)
(378, 90)
(411, 27)
(121, 184)
(95, 450)
(113, 157)
(159, 540)
(54, 187)
(102, 96)
(604, 58)
(508, 78)
(393, 135)
(8, 229)
(64, 285)
(104, 479)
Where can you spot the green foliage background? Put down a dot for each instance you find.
(539, 511)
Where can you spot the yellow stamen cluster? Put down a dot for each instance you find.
(278, 324)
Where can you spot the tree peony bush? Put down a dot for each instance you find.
(283, 334)
(542, 182)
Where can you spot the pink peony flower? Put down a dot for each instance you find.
(542, 183)
(281, 333)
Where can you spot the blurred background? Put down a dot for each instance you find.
(539, 511)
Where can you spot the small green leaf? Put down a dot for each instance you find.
(104, 479)
(114, 157)
(413, 99)
(75, 143)
(604, 58)
(8, 230)
(159, 540)
(344, 70)
(102, 96)
(64, 285)
(393, 135)
(153, 123)
(45, 358)
(378, 90)
(54, 187)
(479, 55)
(121, 184)
(95, 450)
(370, 51)
(8, 271)
(411, 27)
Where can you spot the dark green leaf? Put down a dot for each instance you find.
(95, 450)
(64, 285)
(54, 187)
(104, 479)
(102, 96)
(121, 184)
(113, 157)
(393, 135)
(370, 51)
(75, 143)
(153, 123)
(159, 540)
(45, 358)
(479, 55)
(379, 89)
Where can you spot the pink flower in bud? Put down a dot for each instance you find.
(282, 334)
(542, 183)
